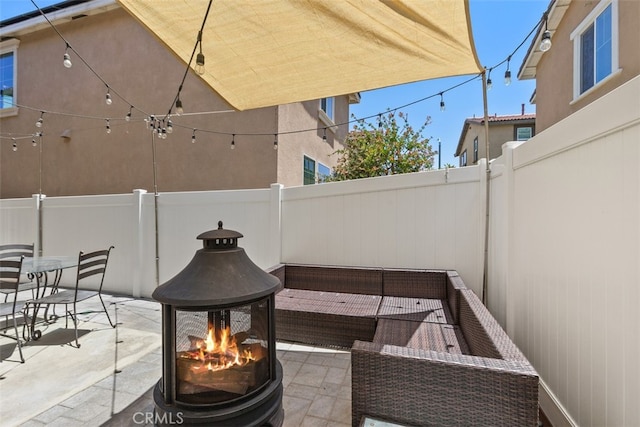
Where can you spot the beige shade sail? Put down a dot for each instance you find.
(268, 52)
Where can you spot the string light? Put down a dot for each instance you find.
(489, 82)
(169, 126)
(108, 99)
(66, 58)
(324, 135)
(275, 141)
(546, 39)
(233, 141)
(193, 137)
(108, 127)
(545, 43)
(15, 146)
(199, 68)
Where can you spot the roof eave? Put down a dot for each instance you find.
(57, 16)
(556, 11)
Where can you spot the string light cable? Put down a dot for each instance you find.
(178, 104)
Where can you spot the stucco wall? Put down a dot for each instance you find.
(554, 73)
(499, 133)
(138, 67)
(296, 145)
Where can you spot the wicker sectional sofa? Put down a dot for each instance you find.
(424, 349)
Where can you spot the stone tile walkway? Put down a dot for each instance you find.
(317, 381)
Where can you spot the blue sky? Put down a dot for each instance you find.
(498, 26)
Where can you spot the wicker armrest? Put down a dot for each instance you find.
(422, 387)
(278, 271)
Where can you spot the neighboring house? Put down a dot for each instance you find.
(472, 146)
(594, 50)
(88, 147)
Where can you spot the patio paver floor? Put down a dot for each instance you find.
(317, 381)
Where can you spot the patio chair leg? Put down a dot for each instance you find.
(113, 325)
(15, 326)
(74, 316)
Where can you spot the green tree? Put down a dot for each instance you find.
(392, 147)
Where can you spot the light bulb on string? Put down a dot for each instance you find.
(33, 140)
(193, 137)
(442, 106)
(15, 145)
(275, 141)
(489, 82)
(545, 42)
(199, 68)
(39, 122)
(108, 126)
(107, 97)
(66, 61)
(169, 127)
(179, 109)
(324, 135)
(128, 116)
(233, 141)
(507, 74)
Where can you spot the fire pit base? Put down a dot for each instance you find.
(263, 409)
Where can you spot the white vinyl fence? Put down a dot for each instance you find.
(564, 243)
(565, 259)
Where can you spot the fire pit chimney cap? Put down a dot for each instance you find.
(220, 238)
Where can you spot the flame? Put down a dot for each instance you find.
(219, 354)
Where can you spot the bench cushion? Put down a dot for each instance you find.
(415, 309)
(325, 318)
(422, 335)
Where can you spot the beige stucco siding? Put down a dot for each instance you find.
(554, 74)
(138, 67)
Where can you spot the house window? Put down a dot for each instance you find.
(595, 45)
(463, 158)
(309, 171)
(524, 133)
(323, 172)
(313, 170)
(475, 150)
(8, 76)
(326, 105)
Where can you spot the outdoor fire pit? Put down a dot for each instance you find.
(218, 340)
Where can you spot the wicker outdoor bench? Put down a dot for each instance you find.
(424, 349)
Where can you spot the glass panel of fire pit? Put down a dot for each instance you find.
(221, 355)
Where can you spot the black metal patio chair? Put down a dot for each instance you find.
(13, 251)
(10, 271)
(90, 264)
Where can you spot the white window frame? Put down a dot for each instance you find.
(318, 164)
(324, 116)
(576, 37)
(316, 168)
(11, 46)
(529, 128)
